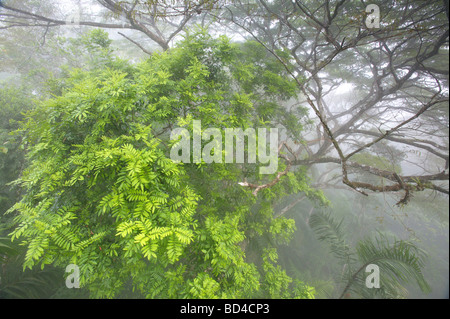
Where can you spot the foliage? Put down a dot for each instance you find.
(14, 283)
(13, 102)
(102, 193)
(400, 262)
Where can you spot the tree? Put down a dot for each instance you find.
(101, 191)
(160, 21)
(92, 52)
(400, 94)
(398, 90)
(362, 109)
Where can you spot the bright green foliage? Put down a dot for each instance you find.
(91, 52)
(101, 191)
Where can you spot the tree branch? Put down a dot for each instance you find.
(136, 43)
(257, 188)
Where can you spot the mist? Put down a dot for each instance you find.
(94, 203)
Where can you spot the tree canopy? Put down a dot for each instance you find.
(87, 175)
(101, 191)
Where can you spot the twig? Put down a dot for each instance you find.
(137, 44)
(257, 188)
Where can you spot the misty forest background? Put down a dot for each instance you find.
(90, 91)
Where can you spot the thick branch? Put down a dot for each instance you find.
(57, 22)
(412, 183)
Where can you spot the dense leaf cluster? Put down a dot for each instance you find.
(101, 191)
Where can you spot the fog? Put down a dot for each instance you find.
(90, 92)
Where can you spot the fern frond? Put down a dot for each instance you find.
(400, 262)
(331, 231)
